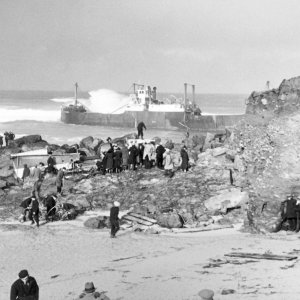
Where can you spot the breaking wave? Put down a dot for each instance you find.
(10, 115)
(106, 101)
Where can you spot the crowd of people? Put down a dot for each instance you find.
(143, 154)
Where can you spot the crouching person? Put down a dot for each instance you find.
(90, 292)
(26, 205)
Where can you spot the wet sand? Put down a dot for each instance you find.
(62, 256)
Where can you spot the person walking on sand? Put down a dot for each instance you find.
(25, 288)
(114, 219)
(140, 128)
(89, 292)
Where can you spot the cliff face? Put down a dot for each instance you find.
(286, 98)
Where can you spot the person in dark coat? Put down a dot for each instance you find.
(110, 160)
(141, 148)
(159, 155)
(24, 288)
(133, 152)
(1, 141)
(140, 128)
(117, 160)
(184, 159)
(51, 163)
(35, 211)
(26, 172)
(114, 219)
(50, 203)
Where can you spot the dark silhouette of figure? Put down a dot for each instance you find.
(114, 219)
(140, 128)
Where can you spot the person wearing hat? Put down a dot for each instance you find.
(25, 287)
(114, 219)
(89, 292)
(168, 166)
(159, 155)
(35, 211)
(206, 294)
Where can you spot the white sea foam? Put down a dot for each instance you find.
(106, 101)
(10, 115)
(62, 100)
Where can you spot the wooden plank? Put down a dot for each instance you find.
(261, 256)
(200, 229)
(143, 217)
(139, 221)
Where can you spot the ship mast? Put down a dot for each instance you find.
(76, 88)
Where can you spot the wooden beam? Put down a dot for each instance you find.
(261, 256)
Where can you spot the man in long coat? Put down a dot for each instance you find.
(114, 219)
(59, 180)
(140, 128)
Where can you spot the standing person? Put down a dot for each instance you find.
(141, 149)
(59, 180)
(26, 172)
(37, 189)
(140, 128)
(6, 138)
(133, 152)
(1, 141)
(117, 160)
(36, 173)
(184, 159)
(160, 150)
(114, 219)
(35, 212)
(110, 160)
(168, 163)
(125, 156)
(51, 163)
(25, 288)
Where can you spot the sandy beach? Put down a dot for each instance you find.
(62, 256)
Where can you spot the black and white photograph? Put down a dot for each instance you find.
(149, 149)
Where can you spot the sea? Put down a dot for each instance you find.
(38, 112)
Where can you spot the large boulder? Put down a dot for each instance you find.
(227, 199)
(169, 220)
(86, 142)
(96, 144)
(97, 222)
(29, 139)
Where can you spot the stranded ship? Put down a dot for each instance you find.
(144, 106)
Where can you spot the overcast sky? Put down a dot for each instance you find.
(222, 46)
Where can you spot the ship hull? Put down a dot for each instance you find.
(159, 120)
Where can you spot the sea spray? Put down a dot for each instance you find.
(106, 101)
